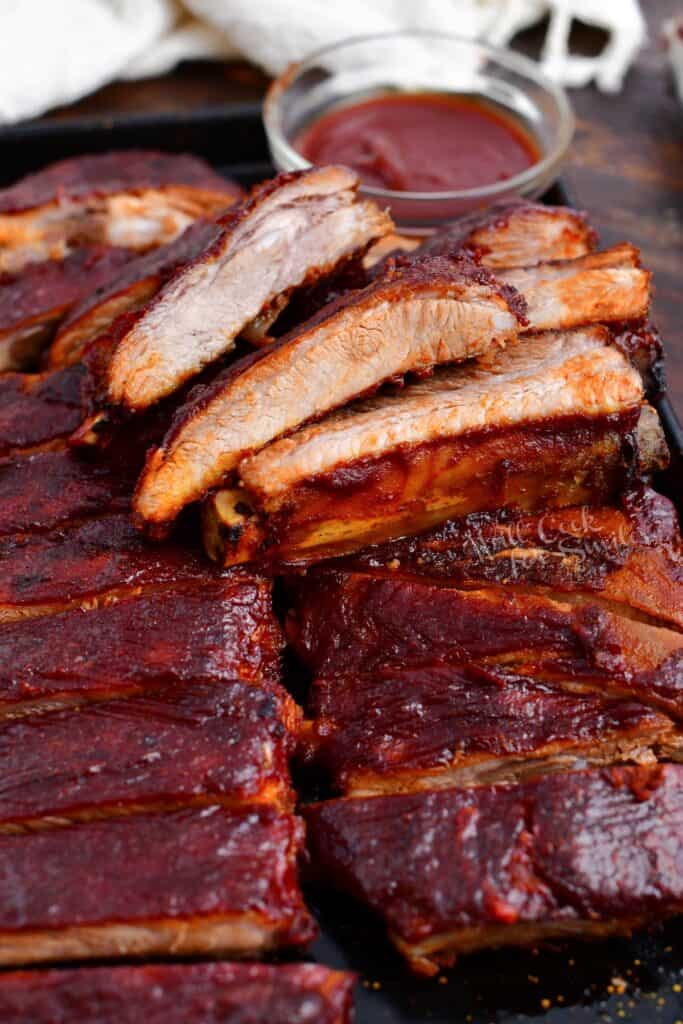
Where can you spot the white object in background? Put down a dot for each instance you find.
(673, 33)
(55, 51)
(622, 19)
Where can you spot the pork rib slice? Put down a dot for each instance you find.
(127, 291)
(133, 198)
(515, 233)
(600, 287)
(431, 725)
(409, 320)
(289, 232)
(546, 422)
(586, 854)
(188, 881)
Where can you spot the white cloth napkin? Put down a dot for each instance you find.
(55, 51)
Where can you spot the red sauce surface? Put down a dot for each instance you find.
(421, 142)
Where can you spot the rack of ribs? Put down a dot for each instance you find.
(194, 880)
(134, 198)
(578, 855)
(282, 994)
(217, 631)
(201, 744)
(550, 422)
(34, 300)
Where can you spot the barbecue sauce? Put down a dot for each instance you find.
(422, 142)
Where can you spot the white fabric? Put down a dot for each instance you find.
(55, 51)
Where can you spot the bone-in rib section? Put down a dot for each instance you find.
(127, 995)
(431, 725)
(579, 855)
(199, 880)
(219, 631)
(40, 409)
(547, 422)
(205, 743)
(91, 563)
(354, 622)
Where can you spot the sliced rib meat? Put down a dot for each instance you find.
(515, 233)
(289, 232)
(127, 291)
(409, 320)
(603, 286)
(547, 422)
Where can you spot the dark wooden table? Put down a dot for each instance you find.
(625, 166)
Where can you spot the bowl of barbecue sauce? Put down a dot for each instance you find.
(434, 125)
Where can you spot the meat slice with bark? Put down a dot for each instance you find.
(603, 286)
(515, 233)
(582, 855)
(355, 623)
(206, 993)
(201, 744)
(92, 563)
(199, 880)
(550, 422)
(288, 233)
(35, 300)
(216, 632)
(133, 198)
(630, 555)
(40, 409)
(431, 725)
(409, 320)
(127, 291)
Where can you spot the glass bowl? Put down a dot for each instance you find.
(366, 67)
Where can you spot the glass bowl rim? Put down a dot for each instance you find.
(508, 58)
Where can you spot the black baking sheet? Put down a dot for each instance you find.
(637, 980)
